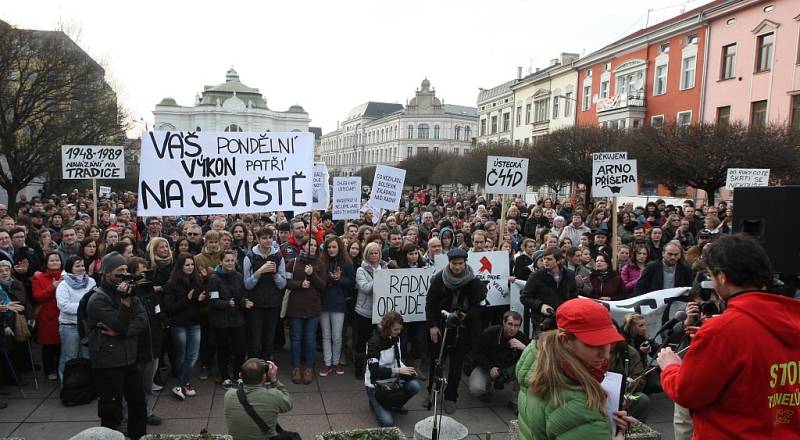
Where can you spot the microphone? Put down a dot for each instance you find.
(680, 315)
(446, 315)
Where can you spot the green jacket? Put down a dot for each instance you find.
(541, 419)
(268, 401)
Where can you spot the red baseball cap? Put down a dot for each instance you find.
(588, 320)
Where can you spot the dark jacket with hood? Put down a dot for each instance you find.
(542, 288)
(467, 298)
(182, 311)
(222, 287)
(334, 295)
(129, 321)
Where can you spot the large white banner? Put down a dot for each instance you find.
(747, 177)
(492, 268)
(506, 175)
(614, 178)
(92, 162)
(387, 188)
(402, 290)
(225, 173)
(346, 198)
(321, 191)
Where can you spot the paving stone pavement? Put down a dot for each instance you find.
(329, 403)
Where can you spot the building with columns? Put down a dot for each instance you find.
(230, 106)
(385, 133)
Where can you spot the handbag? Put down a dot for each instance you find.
(277, 434)
(21, 330)
(285, 301)
(391, 394)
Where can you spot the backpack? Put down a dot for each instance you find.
(83, 324)
(77, 388)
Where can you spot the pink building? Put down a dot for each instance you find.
(752, 70)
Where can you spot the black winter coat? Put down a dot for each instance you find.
(222, 287)
(541, 288)
(468, 298)
(182, 311)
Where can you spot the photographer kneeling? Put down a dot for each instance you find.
(390, 384)
(115, 318)
(495, 357)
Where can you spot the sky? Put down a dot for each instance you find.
(329, 55)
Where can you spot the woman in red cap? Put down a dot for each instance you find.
(563, 370)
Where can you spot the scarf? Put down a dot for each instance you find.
(452, 282)
(163, 261)
(598, 373)
(7, 283)
(75, 282)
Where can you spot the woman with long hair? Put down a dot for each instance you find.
(159, 260)
(109, 238)
(631, 272)
(76, 283)
(182, 297)
(226, 316)
(44, 294)
(655, 243)
(304, 308)
(562, 371)
(91, 257)
(240, 242)
(606, 283)
(636, 334)
(340, 279)
(362, 324)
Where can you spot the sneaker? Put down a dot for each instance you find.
(296, 377)
(204, 373)
(157, 387)
(188, 389)
(324, 371)
(449, 406)
(153, 420)
(228, 384)
(178, 392)
(339, 369)
(52, 376)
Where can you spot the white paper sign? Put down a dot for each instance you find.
(747, 177)
(105, 191)
(92, 162)
(612, 383)
(614, 178)
(402, 290)
(506, 175)
(387, 188)
(346, 198)
(609, 156)
(185, 173)
(320, 193)
(531, 198)
(492, 269)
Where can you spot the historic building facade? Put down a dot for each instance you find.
(230, 106)
(495, 109)
(385, 133)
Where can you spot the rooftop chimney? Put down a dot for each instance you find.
(554, 61)
(519, 72)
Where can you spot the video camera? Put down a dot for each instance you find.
(137, 278)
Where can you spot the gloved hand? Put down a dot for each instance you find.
(8, 331)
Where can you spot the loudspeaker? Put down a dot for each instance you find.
(769, 213)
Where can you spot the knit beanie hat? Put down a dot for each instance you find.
(112, 261)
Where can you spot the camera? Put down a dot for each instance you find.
(136, 278)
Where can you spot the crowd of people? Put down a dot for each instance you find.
(221, 289)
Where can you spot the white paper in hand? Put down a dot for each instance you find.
(214, 294)
(613, 386)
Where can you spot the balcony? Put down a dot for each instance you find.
(619, 102)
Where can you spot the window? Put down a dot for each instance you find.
(494, 124)
(467, 133)
(587, 97)
(519, 115)
(764, 52)
(684, 119)
(728, 61)
(663, 48)
(758, 114)
(233, 127)
(660, 85)
(506, 121)
(436, 132)
(691, 39)
(604, 89)
(483, 127)
(540, 110)
(527, 113)
(622, 124)
(589, 72)
(657, 121)
(435, 150)
(422, 150)
(410, 131)
(688, 72)
(724, 115)
(567, 104)
(555, 107)
(423, 131)
(796, 112)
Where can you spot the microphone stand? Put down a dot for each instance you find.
(439, 384)
(651, 369)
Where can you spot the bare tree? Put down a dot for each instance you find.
(51, 94)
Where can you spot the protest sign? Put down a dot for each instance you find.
(387, 188)
(611, 178)
(105, 191)
(183, 173)
(492, 268)
(506, 175)
(609, 156)
(320, 191)
(92, 162)
(401, 290)
(531, 198)
(346, 198)
(746, 177)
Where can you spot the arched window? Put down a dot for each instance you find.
(233, 127)
(423, 131)
(166, 127)
(410, 131)
(467, 133)
(436, 132)
(458, 132)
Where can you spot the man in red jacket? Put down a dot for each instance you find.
(740, 378)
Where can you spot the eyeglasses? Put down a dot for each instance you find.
(192, 234)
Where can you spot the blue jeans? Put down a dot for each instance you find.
(383, 415)
(71, 347)
(303, 332)
(187, 348)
